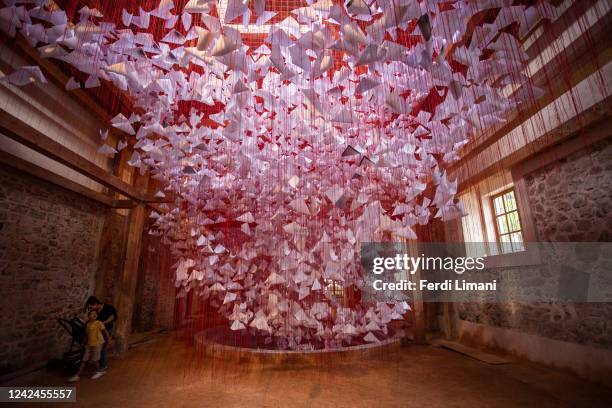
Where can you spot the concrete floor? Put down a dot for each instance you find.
(167, 372)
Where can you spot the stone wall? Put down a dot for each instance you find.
(570, 201)
(589, 324)
(49, 241)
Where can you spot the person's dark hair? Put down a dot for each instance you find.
(92, 300)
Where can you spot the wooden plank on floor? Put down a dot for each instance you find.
(471, 352)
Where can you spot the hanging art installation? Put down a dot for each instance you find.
(284, 139)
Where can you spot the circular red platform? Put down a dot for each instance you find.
(245, 348)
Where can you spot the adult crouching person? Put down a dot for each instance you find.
(107, 314)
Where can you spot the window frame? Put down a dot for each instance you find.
(481, 216)
(496, 216)
(334, 289)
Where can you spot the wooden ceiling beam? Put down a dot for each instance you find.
(36, 140)
(54, 73)
(591, 126)
(553, 30)
(585, 60)
(44, 174)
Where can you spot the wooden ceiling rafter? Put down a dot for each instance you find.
(591, 127)
(58, 152)
(44, 174)
(34, 139)
(572, 74)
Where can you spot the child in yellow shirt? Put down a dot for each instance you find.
(95, 332)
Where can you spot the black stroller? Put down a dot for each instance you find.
(71, 359)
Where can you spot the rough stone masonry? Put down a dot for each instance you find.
(48, 259)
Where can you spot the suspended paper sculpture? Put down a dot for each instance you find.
(285, 139)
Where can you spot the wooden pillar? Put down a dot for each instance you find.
(410, 247)
(108, 271)
(126, 291)
(417, 304)
(453, 233)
